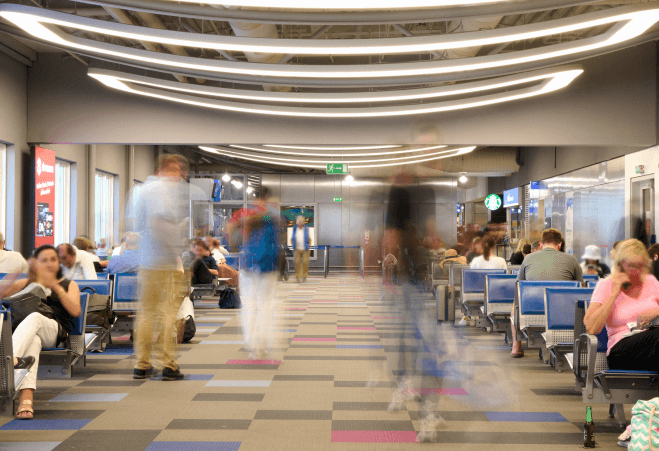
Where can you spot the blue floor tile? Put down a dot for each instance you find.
(199, 377)
(193, 446)
(528, 417)
(118, 350)
(44, 425)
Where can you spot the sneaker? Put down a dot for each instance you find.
(429, 425)
(169, 374)
(142, 374)
(464, 321)
(624, 443)
(397, 402)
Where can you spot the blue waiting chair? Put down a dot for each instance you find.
(514, 269)
(472, 292)
(58, 362)
(599, 384)
(499, 297)
(559, 322)
(529, 309)
(592, 278)
(103, 287)
(125, 301)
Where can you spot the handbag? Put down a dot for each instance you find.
(99, 310)
(29, 300)
(229, 299)
(645, 422)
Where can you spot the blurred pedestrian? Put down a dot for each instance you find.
(259, 226)
(161, 215)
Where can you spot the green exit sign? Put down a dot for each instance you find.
(338, 199)
(333, 168)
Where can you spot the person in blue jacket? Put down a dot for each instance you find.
(300, 241)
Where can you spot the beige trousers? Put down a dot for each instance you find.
(301, 264)
(161, 294)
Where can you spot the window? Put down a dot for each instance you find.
(3, 189)
(136, 190)
(104, 206)
(62, 201)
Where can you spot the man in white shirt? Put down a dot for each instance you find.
(10, 261)
(216, 250)
(76, 265)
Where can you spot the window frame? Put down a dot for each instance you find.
(104, 205)
(63, 201)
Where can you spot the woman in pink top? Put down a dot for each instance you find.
(614, 307)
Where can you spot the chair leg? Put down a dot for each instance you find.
(612, 410)
(620, 413)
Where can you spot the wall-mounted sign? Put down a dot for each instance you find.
(44, 196)
(338, 199)
(511, 198)
(534, 191)
(640, 169)
(337, 168)
(493, 202)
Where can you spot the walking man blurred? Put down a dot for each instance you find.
(161, 215)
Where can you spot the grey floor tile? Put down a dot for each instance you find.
(121, 383)
(293, 415)
(68, 414)
(362, 384)
(215, 425)
(507, 438)
(362, 406)
(220, 366)
(456, 415)
(100, 440)
(555, 392)
(333, 357)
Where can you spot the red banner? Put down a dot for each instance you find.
(44, 196)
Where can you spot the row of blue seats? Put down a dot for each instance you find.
(549, 315)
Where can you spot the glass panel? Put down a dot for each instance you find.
(104, 207)
(289, 216)
(3, 189)
(212, 218)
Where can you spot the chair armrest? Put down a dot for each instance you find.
(590, 342)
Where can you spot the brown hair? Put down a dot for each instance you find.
(81, 243)
(551, 236)
(488, 245)
(653, 251)
(172, 158)
(67, 248)
(201, 244)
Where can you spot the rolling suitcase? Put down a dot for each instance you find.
(445, 303)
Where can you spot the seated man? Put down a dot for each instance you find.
(129, 260)
(76, 265)
(10, 261)
(217, 251)
(204, 267)
(102, 250)
(83, 245)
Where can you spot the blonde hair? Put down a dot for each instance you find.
(522, 242)
(631, 248)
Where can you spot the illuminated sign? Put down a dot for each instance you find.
(493, 202)
(511, 198)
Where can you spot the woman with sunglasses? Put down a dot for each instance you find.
(630, 295)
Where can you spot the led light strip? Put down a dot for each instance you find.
(334, 155)
(630, 25)
(29, 17)
(554, 81)
(341, 4)
(332, 148)
(228, 153)
(352, 97)
(341, 159)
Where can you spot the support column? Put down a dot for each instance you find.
(91, 193)
(130, 170)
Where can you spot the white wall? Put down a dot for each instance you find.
(13, 132)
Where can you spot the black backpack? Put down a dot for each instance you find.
(229, 299)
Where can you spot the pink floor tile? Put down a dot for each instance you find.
(374, 436)
(356, 328)
(436, 391)
(388, 317)
(253, 362)
(314, 339)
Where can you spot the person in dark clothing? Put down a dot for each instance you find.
(653, 251)
(518, 257)
(473, 250)
(204, 267)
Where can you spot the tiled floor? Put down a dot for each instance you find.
(333, 335)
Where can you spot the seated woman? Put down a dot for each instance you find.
(204, 266)
(488, 260)
(518, 256)
(36, 331)
(614, 306)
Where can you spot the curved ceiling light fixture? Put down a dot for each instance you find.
(331, 148)
(334, 155)
(341, 158)
(341, 4)
(321, 97)
(553, 80)
(232, 154)
(638, 18)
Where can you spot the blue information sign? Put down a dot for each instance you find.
(511, 198)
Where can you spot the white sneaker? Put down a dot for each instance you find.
(397, 402)
(406, 389)
(429, 426)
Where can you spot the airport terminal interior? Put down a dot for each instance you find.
(236, 225)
